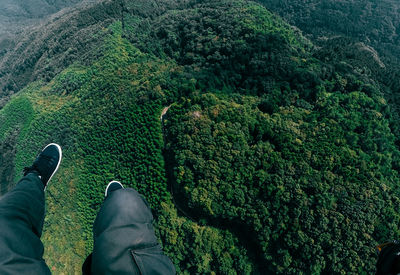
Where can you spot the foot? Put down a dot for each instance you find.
(112, 186)
(46, 163)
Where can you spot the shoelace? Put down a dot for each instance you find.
(34, 167)
(30, 169)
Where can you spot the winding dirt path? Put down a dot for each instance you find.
(164, 112)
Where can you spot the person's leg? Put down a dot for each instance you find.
(22, 216)
(124, 238)
(21, 223)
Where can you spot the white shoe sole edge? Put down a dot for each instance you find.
(58, 164)
(108, 185)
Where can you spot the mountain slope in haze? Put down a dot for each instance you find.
(43, 50)
(13, 14)
(270, 158)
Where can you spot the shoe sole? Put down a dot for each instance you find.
(108, 185)
(58, 164)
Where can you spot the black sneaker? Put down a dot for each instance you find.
(112, 186)
(46, 163)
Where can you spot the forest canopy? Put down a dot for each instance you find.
(276, 153)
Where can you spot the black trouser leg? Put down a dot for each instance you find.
(21, 223)
(124, 239)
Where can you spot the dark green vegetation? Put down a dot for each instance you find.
(376, 20)
(274, 156)
(362, 36)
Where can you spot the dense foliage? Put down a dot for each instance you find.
(361, 35)
(306, 185)
(377, 20)
(274, 156)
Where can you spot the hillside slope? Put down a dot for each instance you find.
(270, 158)
(16, 16)
(43, 50)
